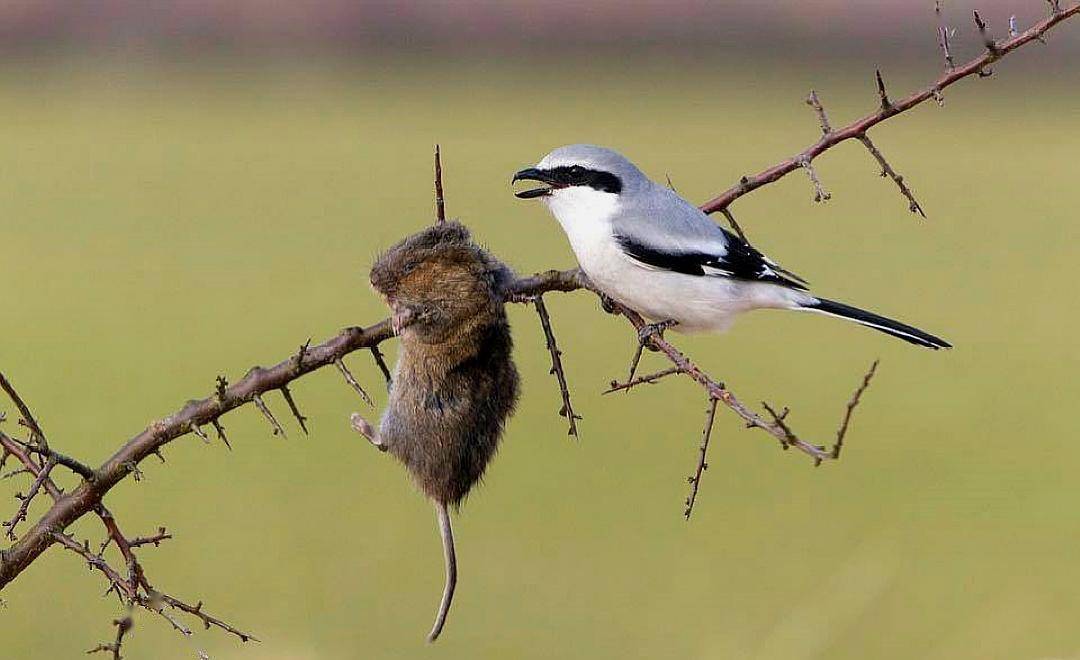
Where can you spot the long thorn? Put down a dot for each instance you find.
(300, 419)
(351, 380)
(261, 405)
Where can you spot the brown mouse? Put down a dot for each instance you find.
(455, 383)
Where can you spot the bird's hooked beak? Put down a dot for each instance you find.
(533, 174)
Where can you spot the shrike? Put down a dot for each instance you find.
(651, 250)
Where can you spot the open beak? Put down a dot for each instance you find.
(533, 174)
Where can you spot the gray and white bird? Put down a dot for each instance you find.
(646, 247)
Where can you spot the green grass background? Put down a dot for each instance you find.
(162, 227)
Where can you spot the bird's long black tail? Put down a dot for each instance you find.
(871, 320)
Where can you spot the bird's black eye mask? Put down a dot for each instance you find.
(566, 176)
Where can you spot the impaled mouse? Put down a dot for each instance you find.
(455, 383)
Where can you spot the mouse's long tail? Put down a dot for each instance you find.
(442, 512)
(871, 320)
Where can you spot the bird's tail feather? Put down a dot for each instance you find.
(871, 320)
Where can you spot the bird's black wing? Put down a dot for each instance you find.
(739, 261)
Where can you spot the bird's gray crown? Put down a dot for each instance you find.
(595, 158)
(583, 166)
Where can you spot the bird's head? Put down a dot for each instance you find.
(581, 171)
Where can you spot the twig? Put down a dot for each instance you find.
(153, 601)
(351, 380)
(377, 355)
(788, 437)
(987, 40)
(199, 432)
(153, 539)
(859, 127)
(820, 194)
(21, 452)
(944, 34)
(116, 581)
(888, 171)
(301, 353)
(883, 96)
(37, 435)
(734, 225)
(717, 390)
(265, 410)
(220, 430)
(852, 403)
(649, 379)
(122, 627)
(567, 409)
(635, 361)
(14, 473)
(75, 465)
(300, 419)
(208, 620)
(124, 462)
(28, 498)
(702, 465)
(814, 102)
(440, 200)
(152, 598)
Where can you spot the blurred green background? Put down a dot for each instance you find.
(165, 224)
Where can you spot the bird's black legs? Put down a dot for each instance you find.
(646, 331)
(607, 303)
(657, 328)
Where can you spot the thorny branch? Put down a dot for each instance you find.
(86, 498)
(567, 409)
(122, 627)
(195, 413)
(995, 50)
(715, 389)
(649, 379)
(37, 436)
(702, 465)
(440, 200)
(944, 35)
(353, 383)
(888, 171)
(852, 403)
(135, 589)
(380, 362)
(40, 462)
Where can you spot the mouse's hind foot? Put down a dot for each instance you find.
(361, 426)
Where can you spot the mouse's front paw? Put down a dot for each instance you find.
(401, 318)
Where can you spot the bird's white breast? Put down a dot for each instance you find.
(698, 303)
(585, 216)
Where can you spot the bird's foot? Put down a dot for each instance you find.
(607, 303)
(361, 426)
(650, 329)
